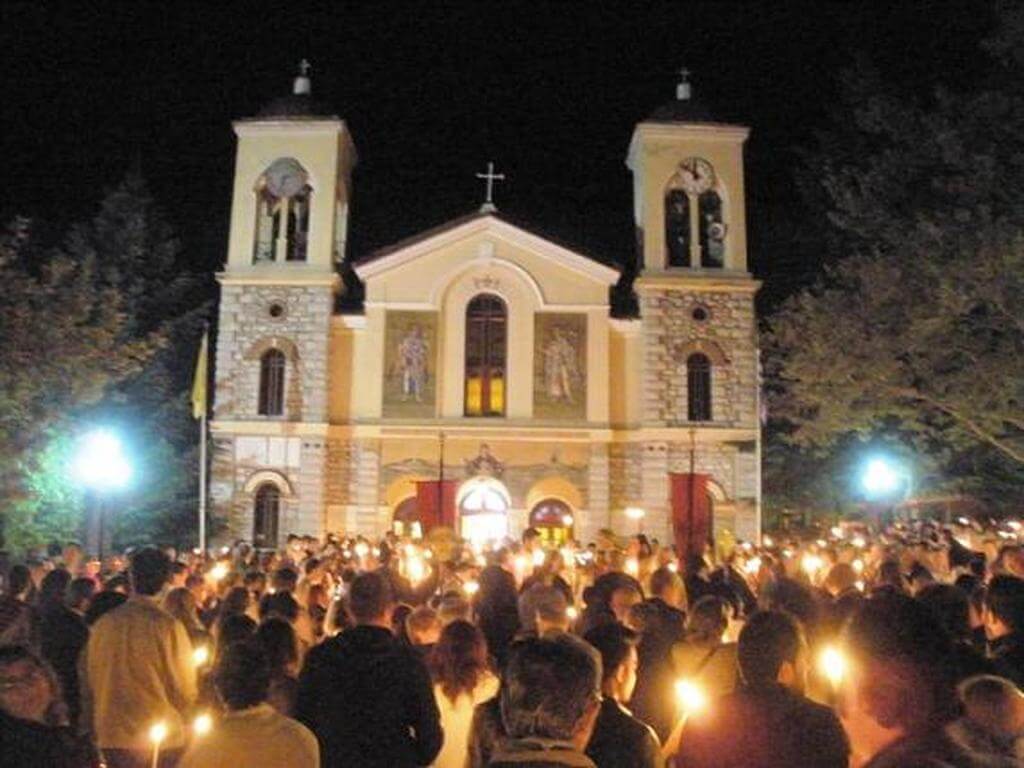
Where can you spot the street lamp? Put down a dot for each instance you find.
(101, 466)
(882, 478)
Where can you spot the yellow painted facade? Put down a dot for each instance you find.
(362, 406)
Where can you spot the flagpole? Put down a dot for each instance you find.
(202, 484)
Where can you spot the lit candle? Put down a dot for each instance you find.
(572, 613)
(200, 655)
(471, 588)
(157, 734)
(538, 558)
(632, 566)
(690, 696)
(219, 571)
(832, 665)
(752, 566)
(202, 725)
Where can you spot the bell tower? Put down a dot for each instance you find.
(289, 215)
(699, 390)
(688, 196)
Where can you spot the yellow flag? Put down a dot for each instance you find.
(199, 383)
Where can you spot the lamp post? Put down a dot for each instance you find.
(101, 466)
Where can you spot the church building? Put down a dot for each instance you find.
(484, 385)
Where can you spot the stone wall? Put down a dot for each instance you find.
(248, 327)
(727, 336)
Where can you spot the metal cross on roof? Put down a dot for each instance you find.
(304, 67)
(491, 177)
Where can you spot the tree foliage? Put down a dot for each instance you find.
(916, 327)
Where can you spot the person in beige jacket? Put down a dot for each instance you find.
(138, 671)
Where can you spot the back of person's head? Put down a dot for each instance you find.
(898, 640)
(150, 569)
(53, 588)
(254, 581)
(708, 619)
(181, 604)
(117, 582)
(551, 688)
(994, 704)
(80, 592)
(792, 597)
(841, 578)
(423, 626)
(951, 607)
(280, 604)
(234, 629)
(552, 611)
(613, 641)
(622, 599)
(18, 580)
(459, 659)
(242, 675)
(284, 579)
(889, 574)
(530, 535)
(101, 604)
(370, 597)
(19, 706)
(668, 585)
(768, 640)
(235, 601)
(1004, 599)
(280, 643)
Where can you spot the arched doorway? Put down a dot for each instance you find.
(266, 515)
(554, 520)
(406, 519)
(483, 510)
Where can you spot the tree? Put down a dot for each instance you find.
(917, 326)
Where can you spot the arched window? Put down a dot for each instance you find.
(283, 200)
(266, 512)
(483, 511)
(271, 400)
(698, 387)
(553, 519)
(486, 321)
(712, 230)
(677, 228)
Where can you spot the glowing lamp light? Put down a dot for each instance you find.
(158, 732)
(634, 513)
(879, 478)
(219, 571)
(690, 696)
(100, 463)
(202, 725)
(200, 655)
(832, 665)
(567, 521)
(471, 587)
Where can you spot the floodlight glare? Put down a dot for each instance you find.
(879, 478)
(100, 463)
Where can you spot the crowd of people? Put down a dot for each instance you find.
(899, 646)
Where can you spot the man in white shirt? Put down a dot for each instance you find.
(252, 733)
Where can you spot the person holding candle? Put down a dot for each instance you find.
(251, 733)
(138, 671)
(767, 721)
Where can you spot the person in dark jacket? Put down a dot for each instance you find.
(368, 698)
(550, 697)
(497, 604)
(62, 636)
(1004, 626)
(664, 626)
(620, 740)
(768, 722)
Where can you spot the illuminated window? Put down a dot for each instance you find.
(486, 321)
(483, 511)
(554, 520)
(266, 511)
(271, 400)
(698, 387)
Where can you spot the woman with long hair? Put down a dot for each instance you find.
(462, 679)
(277, 637)
(181, 604)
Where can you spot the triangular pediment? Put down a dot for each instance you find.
(485, 227)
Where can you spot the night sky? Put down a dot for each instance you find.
(432, 91)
